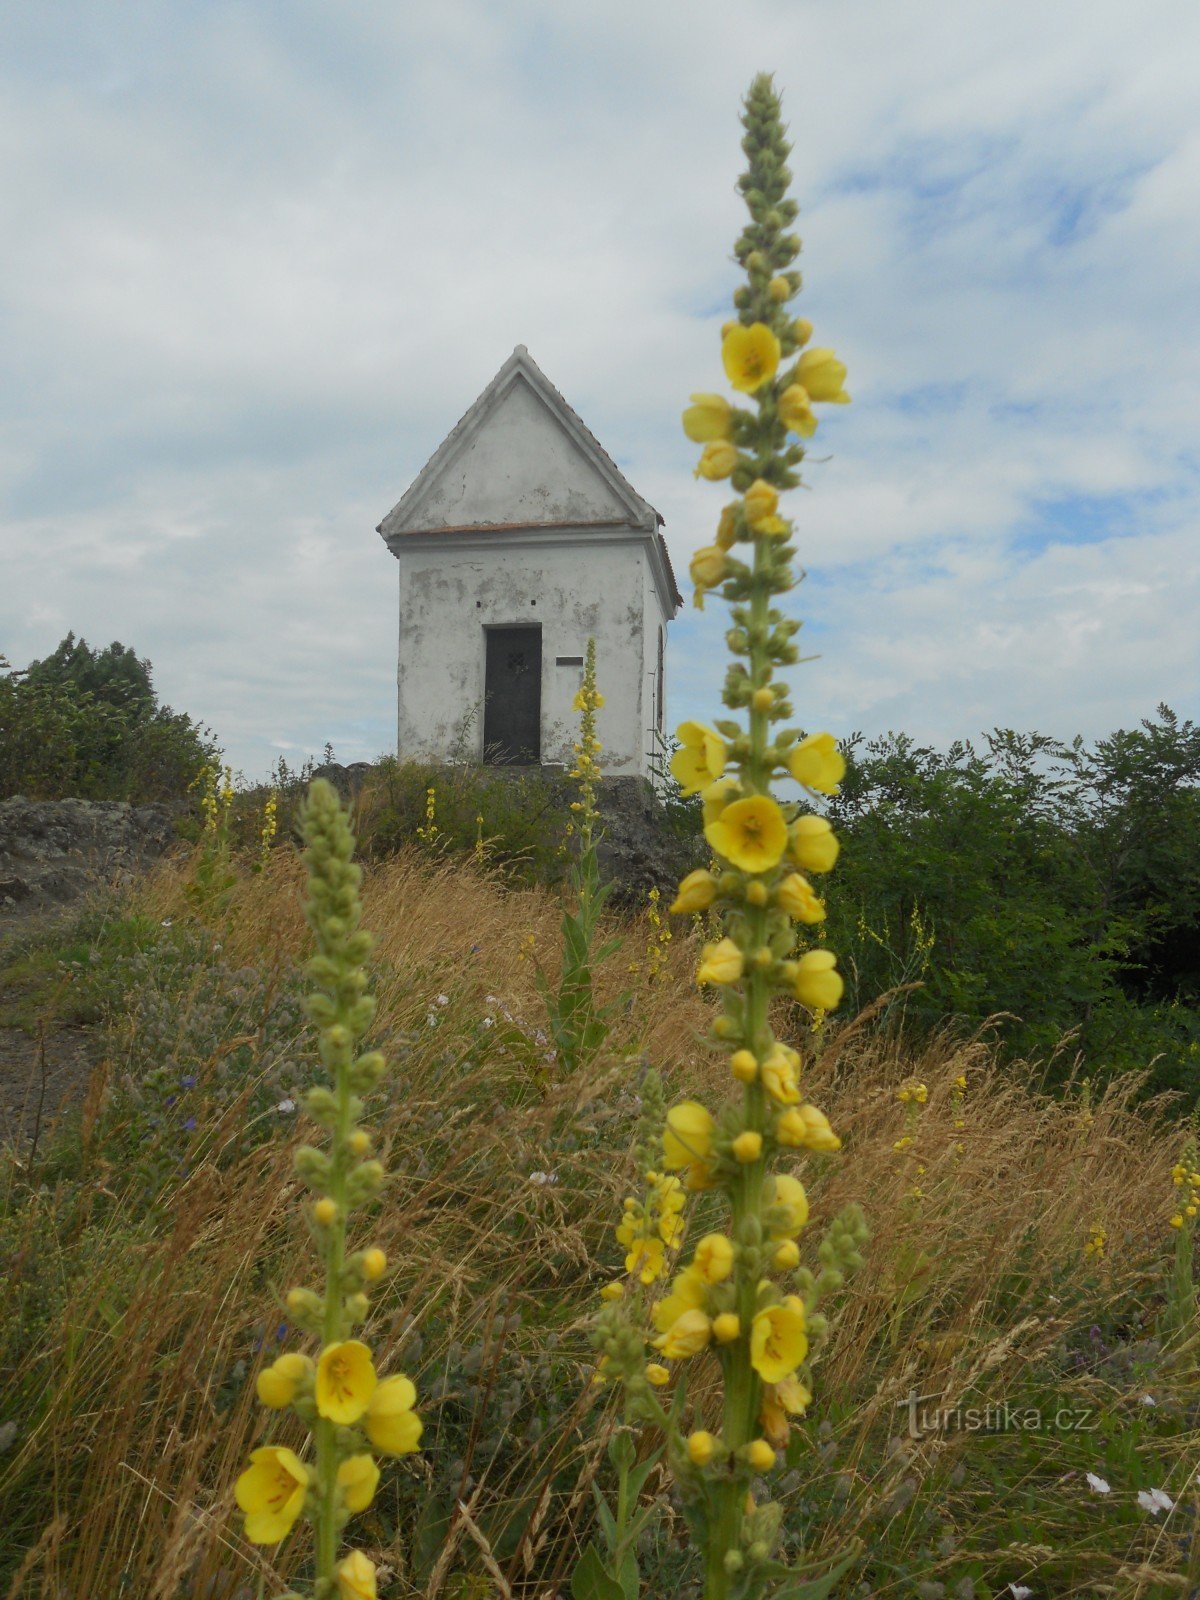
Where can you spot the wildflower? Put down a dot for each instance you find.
(823, 376)
(812, 844)
(1154, 1501)
(817, 763)
(816, 982)
(778, 1341)
(795, 896)
(796, 412)
(709, 417)
(686, 1337)
(750, 356)
(744, 1065)
(750, 833)
(279, 1383)
(1097, 1484)
(762, 502)
(391, 1423)
(760, 1455)
(374, 1264)
(779, 1075)
(717, 460)
(727, 1327)
(356, 1577)
(345, 1381)
(646, 1260)
(788, 1204)
(699, 761)
(708, 568)
(747, 1146)
(713, 1259)
(657, 1374)
(271, 1492)
(701, 1447)
(805, 1128)
(720, 963)
(696, 893)
(688, 1293)
(687, 1139)
(357, 1477)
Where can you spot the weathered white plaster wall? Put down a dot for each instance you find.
(574, 583)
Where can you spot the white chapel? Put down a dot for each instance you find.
(519, 540)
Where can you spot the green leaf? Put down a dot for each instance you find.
(803, 1587)
(590, 1581)
(607, 1521)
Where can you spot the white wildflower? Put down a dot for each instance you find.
(286, 1106)
(1154, 1501)
(1097, 1484)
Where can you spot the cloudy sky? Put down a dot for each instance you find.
(259, 257)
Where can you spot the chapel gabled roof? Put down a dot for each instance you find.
(521, 457)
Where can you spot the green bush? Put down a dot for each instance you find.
(87, 724)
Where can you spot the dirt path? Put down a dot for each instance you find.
(45, 1070)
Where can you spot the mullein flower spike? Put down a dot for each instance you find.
(339, 1395)
(724, 1305)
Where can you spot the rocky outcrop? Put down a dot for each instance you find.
(52, 851)
(638, 851)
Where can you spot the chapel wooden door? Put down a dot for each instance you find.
(512, 707)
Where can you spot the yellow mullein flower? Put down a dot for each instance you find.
(699, 761)
(796, 412)
(817, 763)
(727, 527)
(708, 568)
(657, 1374)
(787, 1197)
(812, 844)
(760, 1455)
(823, 375)
(278, 1384)
(817, 984)
(713, 1259)
(686, 1337)
(709, 417)
(646, 1260)
(356, 1578)
(688, 1293)
(750, 356)
(717, 460)
(795, 896)
(701, 1447)
(781, 1401)
(358, 1478)
(345, 1381)
(750, 833)
(687, 1138)
(804, 1127)
(747, 1147)
(778, 1073)
(778, 1341)
(696, 893)
(727, 1327)
(802, 331)
(762, 501)
(720, 963)
(271, 1492)
(391, 1423)
(717, 796)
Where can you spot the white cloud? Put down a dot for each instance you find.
(256, 269)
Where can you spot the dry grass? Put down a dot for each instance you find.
(136, 1416)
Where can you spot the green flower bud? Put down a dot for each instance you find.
(312, 1165)
(321, 1105)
